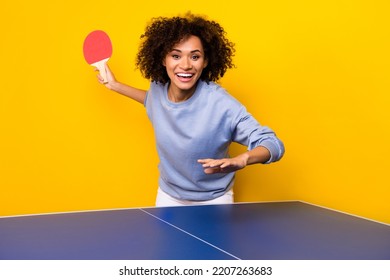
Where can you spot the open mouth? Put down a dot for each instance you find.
(185, 75)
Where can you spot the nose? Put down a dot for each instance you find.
(185, 64)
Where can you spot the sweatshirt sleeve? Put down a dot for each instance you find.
(248, 131)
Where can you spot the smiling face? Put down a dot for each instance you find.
(184, 65)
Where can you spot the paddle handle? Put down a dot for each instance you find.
(101, 66)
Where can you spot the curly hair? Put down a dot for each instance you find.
(162, 34)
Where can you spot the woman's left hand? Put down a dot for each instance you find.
(259, 154)
(224, 165)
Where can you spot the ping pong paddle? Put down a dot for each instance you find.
(97, 50)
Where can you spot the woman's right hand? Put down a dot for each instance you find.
(110, 77)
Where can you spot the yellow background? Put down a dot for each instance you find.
(317, 72)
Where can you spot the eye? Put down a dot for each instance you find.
(195, 57)
(175, 56)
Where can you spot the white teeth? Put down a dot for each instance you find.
(185, 75)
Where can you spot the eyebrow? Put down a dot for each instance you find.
(177, 50)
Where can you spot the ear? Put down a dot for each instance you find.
(205, 63)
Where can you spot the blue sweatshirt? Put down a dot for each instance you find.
(201, 127)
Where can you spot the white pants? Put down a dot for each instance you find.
(164, 199)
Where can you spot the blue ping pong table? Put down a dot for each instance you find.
(251, 231)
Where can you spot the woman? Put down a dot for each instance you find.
(194, 119)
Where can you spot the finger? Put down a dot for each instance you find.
(225, 164)
(207, 162)
(214, 164)
(100, 79)
(204, 160)
(212, 170)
